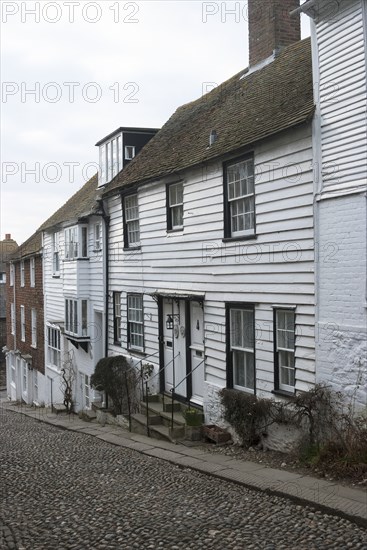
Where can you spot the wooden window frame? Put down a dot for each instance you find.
(243, 306)
(229, 235)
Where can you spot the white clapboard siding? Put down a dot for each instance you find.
(276, 268)
(78, 279)
(342, 96)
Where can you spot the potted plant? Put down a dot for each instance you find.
(194, 420)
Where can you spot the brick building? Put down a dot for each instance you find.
(25, 329)
(7, 247)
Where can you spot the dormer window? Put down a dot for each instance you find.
(110, 159)
(76, 242)
(129, 152)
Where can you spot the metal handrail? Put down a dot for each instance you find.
(146, 389)
(174, 387)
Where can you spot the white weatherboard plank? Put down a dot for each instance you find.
(197, 260)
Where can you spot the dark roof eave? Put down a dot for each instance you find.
(128, 129)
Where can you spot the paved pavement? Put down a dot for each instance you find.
(64, 490)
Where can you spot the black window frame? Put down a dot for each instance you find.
(229, 355)
(127, 245)
(131, 347)
(169, 207)
(227, 233)
(116, 329)
(277, 388)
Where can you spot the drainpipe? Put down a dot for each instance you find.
(106, 219)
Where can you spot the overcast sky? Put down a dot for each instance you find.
(72, 72)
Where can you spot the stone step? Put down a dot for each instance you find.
(97, 406)
(87, 415)
(58, 408)
(157, 431)
(157, 409)
(156, 398)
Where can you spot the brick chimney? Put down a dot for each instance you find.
(7, 236)
(271, 27)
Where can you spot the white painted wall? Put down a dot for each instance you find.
(78, 279)
(339, 45)
(275, 268)
(341, 93)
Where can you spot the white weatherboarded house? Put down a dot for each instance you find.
(211, 236)
(339, 37)
(74, 302)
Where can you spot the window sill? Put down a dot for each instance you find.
(131, 248)
(136, 352)
(56, 276)
(33, 347)
(175, 231)
(116, 343)
(283, 393)
(82, 259)
(243, 238)
(97, 250)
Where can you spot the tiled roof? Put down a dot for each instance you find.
(81, 204)
(31, 246)
(243, 110)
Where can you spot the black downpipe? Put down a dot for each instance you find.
(106, 219)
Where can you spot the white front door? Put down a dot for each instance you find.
(197, 351)
(174, 342)
(183, 342)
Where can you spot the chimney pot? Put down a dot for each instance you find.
(7, 236)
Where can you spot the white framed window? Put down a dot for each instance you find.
(56, 254)
(135, 321)
(12, 371)
(32, 272)
(22, 323)
(240, 199)
(12, 318)
(131, 219)
(25, 377)
(54, 347)
(76, 242)
(22, 271)
(86, 390)
(285, 350)
(2, 278)
(129, 152)
(84, 307)
(175, 206)
(71, 243)
(117, 317)
(110, 159)
(35, 385)
(12, 274)
(242, 348)
(97, 236)
(34, 327)
(76, 310)
(71, 316)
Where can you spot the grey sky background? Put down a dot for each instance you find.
(133, 66)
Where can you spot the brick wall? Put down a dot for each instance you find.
(271, 27)
(30, 298)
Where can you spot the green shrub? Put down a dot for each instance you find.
(116, 377)
(246, 414)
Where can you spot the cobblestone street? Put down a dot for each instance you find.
(61, 490)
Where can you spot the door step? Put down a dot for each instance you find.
(155, 418)
(156, 430)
